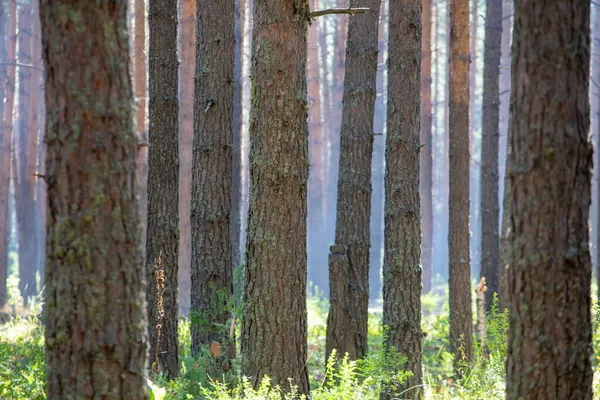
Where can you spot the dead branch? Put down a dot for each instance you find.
(331, 11)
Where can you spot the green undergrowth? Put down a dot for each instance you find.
(22, 366)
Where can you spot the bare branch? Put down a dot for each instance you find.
(331, 11)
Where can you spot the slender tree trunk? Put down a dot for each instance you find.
(505, 191)
(140, 100)
(187, 53)
(349, 279)
(8, 89)
(236, 166)
(212, 269)
(595, 92)
(490, 240)
(95, 335)
(162, 239)
(25, 154)
(275, 327)
(461, 317)
(402, 278)
(550, 332)
(426, 178)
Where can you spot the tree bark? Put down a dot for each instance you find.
(490, 210)
(402, 275)
(348, 333)
(550, 331)
(25, 158)
(187, 66)
(426, 178)
(95, 336)
(8, 89)
(162, 239)
(461, 316)
(274, 330)
(212, 269)
(140, 83)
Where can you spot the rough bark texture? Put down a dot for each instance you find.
(402, 282)
(187, 53)
(550, 334)
(95, 335)
(490, 210)
(426, 152)
(212, 272)
(349, 298)
(504, 139)
(275, 322)
(461, 317)
(162, 239)
(25, 158)
(8, 89)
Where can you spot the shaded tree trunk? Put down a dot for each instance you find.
(95, 335)
(349, 280)
(402, 280)
(461, 317)
(490, 240)
(187, 53)
(162, 239)
(7, 85)
(212, 269)
(25, 158)
(503, 157)
(550, 165)
(275, 323)
(426, 178)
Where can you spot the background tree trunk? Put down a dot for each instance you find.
(402, 280)
(461, 317)
(236, 129)
(162, 239)
(349, 302)
(550, 166)
(8, 89)
(212, 269)
(426, 178)
(490, 210)
(96, 311)
(595, 93)
(275, 327)
(187, 66)
(140, 101)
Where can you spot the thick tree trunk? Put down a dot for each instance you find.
(275, 322)
(8, 89)
(25, 156)
(461, 317)
(95, 335)
(550, 335)
(349, 301)
(503, 157)
(402, 280)
(162, 239)
(490, 240)
(187, 66)
(212, 269)
(426, 152)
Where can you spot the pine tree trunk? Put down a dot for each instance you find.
(212, 269)
(140, 101)
(490, 240)
(25, 154)
(402, 280)
(162, 239)
(595, 91)
(349, 298)
(550, 334)
(275, 322)
(461, 317)
(6, 129)
(426, 178)
(236, 166)
(95, 335)
(187, 66)
(504, 140)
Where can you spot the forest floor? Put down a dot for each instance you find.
(22, 365)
